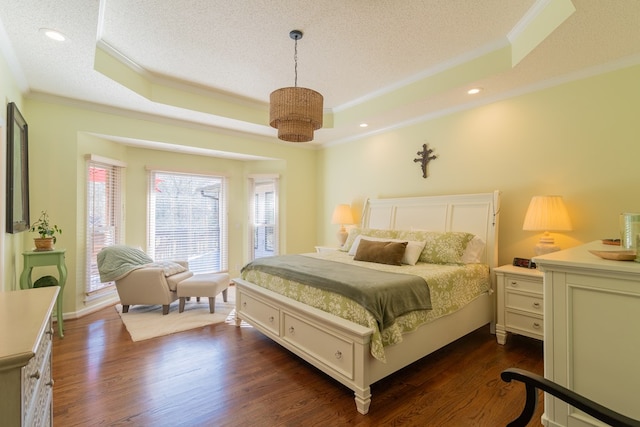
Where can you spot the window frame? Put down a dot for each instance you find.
(270, 225)
(113, 211)
(177, 252)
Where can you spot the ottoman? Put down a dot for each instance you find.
(203, 285)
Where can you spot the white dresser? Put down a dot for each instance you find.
(591, 332)
(26, 385)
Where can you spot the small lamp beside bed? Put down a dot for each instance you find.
(546, 213)
(342, 215)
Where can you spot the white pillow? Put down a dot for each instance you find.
(411, 254)
(473, 252)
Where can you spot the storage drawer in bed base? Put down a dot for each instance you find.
(329, 343)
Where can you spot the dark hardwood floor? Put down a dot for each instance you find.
(221, 375)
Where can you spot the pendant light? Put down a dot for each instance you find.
(295, 111)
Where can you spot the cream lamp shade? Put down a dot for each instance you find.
(342, 215)
(546, 213)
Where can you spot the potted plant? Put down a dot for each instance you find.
(46, 231)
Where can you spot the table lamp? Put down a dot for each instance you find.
(342, 215)
(546, 213)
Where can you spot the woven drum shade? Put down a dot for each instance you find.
(296, 112)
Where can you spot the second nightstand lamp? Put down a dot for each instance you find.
(342, 215)
(546, 213)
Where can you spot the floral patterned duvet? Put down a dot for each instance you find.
(451, 287)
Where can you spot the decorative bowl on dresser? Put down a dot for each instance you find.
(26, 385)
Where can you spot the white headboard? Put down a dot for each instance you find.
(473, 213)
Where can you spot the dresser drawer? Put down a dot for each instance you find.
(525, 325)
(260, 312)
(41, 411)
(516, 282)
(36, 373)
(525, 302)
(324, 346)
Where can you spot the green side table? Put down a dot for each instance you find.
(44, 258)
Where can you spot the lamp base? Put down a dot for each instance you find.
(546, 245)
(342, 236)
(542, 249)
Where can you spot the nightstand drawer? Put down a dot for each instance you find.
(513, 282)
(525, 325)
(520, 301)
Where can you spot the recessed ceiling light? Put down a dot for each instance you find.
(363, 125)
(53, 34)
(474, 90)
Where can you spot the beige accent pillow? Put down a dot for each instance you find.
(380, 252)
(474, 251)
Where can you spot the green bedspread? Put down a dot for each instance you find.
(451, 288)
(386, 295)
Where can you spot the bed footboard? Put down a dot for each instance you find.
(341, 349)
(336, 346)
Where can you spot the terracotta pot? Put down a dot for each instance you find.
(44, 244)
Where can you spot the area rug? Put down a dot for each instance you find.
(144, 322)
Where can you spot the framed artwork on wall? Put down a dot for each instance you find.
(17, 171)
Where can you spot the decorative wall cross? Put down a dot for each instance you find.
(425, 158)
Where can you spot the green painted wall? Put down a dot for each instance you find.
(580, 140)
(12, 244)
(61, 136)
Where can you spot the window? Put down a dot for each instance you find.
(264, 212)
(187, 219)
(104, 214)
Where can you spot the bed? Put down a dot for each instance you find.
(355, 352)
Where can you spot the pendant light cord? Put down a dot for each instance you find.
(295, 59)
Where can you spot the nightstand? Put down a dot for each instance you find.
(323, 249)
(520, 302)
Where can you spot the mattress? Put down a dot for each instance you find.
(451, 288)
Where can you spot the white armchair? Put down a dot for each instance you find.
(150, 286)
(139, 280)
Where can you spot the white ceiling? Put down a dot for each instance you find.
(384, 62)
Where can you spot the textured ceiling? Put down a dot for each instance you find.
(384, 62)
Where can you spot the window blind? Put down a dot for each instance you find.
(264, 212)
(104, 215)
(187, 220)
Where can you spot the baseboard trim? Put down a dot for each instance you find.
(112, 300)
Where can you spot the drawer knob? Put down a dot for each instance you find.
(244, 304)
(271, 319)
(514, 283)
(291, 330)
(536, 304)
(338, 354)
(536, 325)
(36, 375)
(50, 383)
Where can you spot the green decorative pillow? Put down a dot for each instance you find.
(169, 267)
(372, 232)
(380, 252)
(440, 247)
